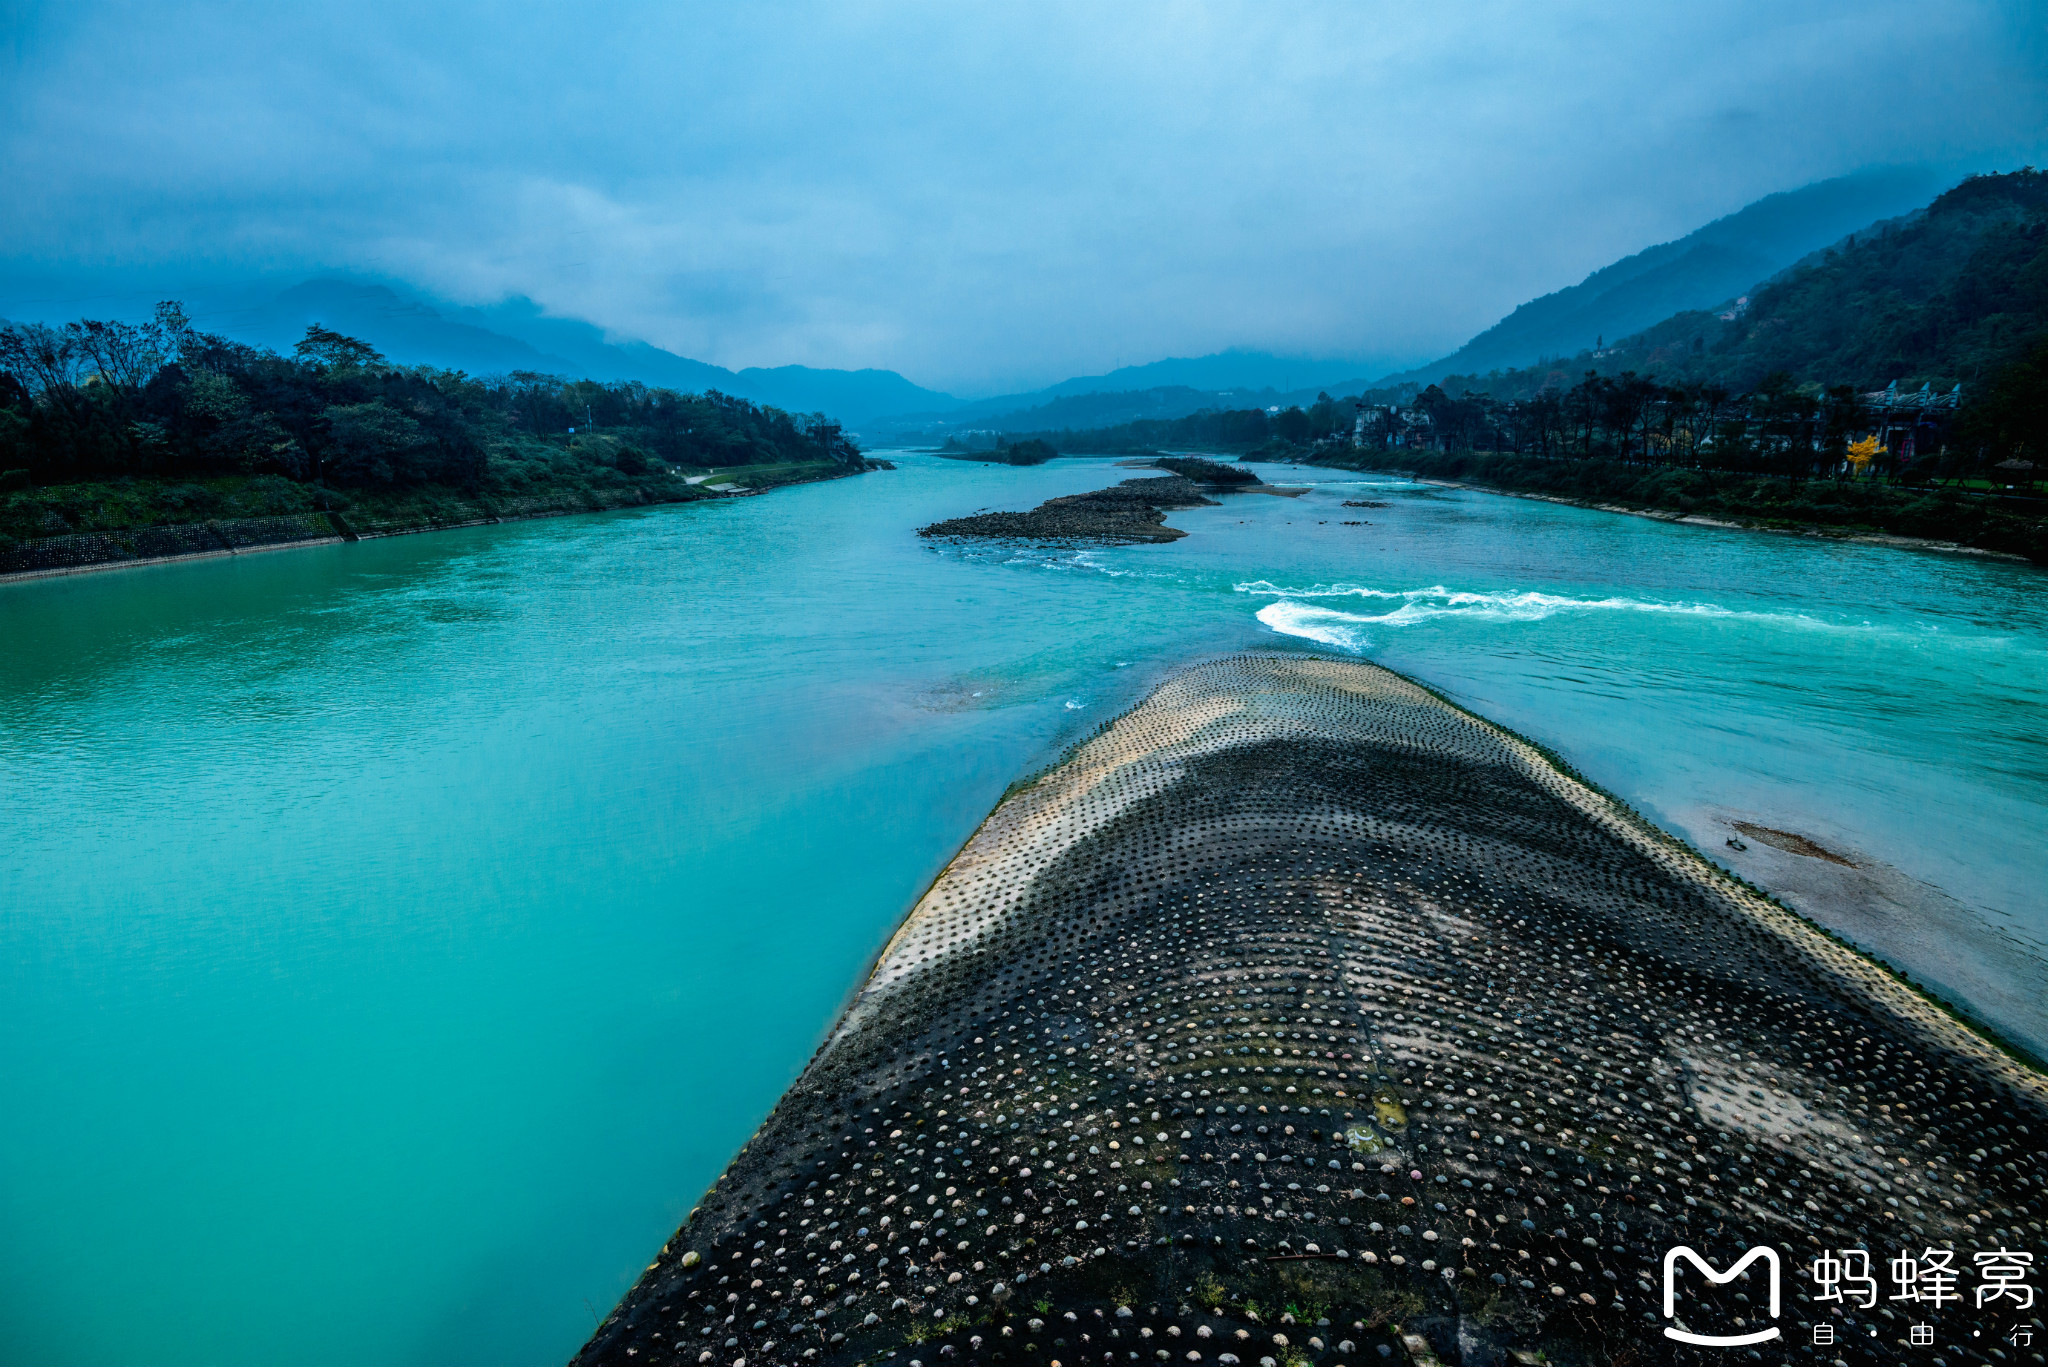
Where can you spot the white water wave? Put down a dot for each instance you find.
(1409, 606)
(1344, 630)
(1312, 613)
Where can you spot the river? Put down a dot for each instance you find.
(399, 936)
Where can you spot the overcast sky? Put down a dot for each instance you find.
(981, 196)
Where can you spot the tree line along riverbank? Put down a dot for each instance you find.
(75, 527)
(122, 442)
(1894, 383)
(2003, 524)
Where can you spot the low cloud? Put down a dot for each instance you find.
(983, 197)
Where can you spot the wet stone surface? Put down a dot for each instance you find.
(1300, 1017)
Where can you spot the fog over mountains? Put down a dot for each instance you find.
(517, 335)
(1704, 269)
(1701, 270)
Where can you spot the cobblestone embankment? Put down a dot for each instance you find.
(1301, 1017)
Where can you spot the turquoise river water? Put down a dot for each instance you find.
(396, 938)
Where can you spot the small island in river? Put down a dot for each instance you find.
(1133, 511)
(1301, 1017)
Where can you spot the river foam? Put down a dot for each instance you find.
(1306, 613)
(1344, 630)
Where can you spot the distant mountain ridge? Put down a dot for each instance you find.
(408, 331)
(1711, 266)
(1157, 389)
(1705, 268)
(517, 335)
(1092, 408)
(1702, 270)
(1953, 294)
(1219, 373)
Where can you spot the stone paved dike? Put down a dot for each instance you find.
(1300, 1017)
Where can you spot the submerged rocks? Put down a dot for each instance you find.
(1298, 990)
(1134, 510)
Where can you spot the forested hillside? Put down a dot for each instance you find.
(108, 427)
(95, 400)
(1955, 296)
(1719, 261)
(1898, 383)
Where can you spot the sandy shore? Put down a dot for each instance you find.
(1301, 1017)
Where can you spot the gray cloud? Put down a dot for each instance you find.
(981, 196)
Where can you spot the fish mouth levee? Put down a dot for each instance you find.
(1297, 985)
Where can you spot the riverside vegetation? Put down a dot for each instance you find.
(122, 441)
(1897, 383)
(1943, 513)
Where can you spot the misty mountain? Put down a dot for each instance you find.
(586, 351)
(1708, 267)
(1957, 293)
(406, 330)
(1171, 388)
(517, 335)
(1705, 268)
(852, 396)
(1222, 372)
(1018, 412)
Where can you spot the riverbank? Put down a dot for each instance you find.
(1866, 538)
(1301, 1014)
(72, 529)
(1920, 518)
